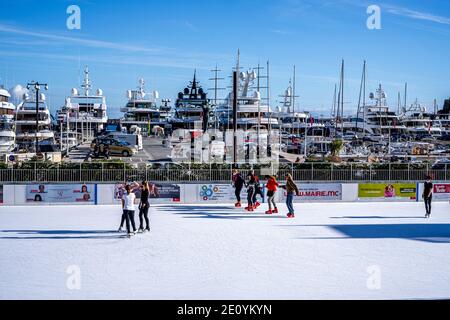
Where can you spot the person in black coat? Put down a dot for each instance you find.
(144, 206)
(238, 183)
(428, 196)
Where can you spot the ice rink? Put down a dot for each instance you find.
(330, 251)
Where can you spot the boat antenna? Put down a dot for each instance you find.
(216, 83)
(361, 94)
(86, 83)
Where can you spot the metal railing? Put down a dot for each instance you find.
(314, 173)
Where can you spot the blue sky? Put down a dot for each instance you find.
(164, 41)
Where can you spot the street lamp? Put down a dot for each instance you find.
(37, 87)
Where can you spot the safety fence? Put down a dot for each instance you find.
(312, 174)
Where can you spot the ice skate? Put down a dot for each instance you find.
(269, 212)
(275, 210)
(238, 205)
(249, 209)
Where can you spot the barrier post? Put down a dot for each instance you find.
(103, 172)
(35, 172)
(312, 171)
(370, 172)
(409, 171)
(80, 172)
(390, 175)
(446, 170)
(351, 171)
(331, 172)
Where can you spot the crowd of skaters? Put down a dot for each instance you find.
(254, 189)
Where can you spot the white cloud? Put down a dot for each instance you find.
(405, 12)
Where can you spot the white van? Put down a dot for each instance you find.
(135, 140)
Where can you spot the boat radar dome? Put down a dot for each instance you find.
(25, 96)
(257, 95)
(99, 92)
(74, 91)
(155, 94)
(42, 97)
(129, 94)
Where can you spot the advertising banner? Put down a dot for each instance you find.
(223, 193)
(159, 192)
(61, 193)
(405, 191)
(317, 192)
(441, 191)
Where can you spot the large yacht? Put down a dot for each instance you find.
(32, 124)
(251, 113)
(84, 112)
(375, 118)
(419, 122)
(142, 110)
(7, 134)
(192, 108)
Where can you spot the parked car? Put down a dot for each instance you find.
(115, 147)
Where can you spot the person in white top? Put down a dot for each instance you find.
(128, 206)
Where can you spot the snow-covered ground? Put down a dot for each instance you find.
(330, 251)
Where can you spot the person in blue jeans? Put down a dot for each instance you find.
(291, 189)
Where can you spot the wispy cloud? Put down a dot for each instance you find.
(118, 53)
(80, 41)
(418, 15)
(281, 32)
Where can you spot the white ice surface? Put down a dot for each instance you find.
(218, 252)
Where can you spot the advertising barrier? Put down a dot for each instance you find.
(441, 191)
(316, 192)
(388, 191)
(223, 193)
(61, 193)
(159, 193)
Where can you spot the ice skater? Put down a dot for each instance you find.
(238, 184)
(428, 196)
(258, 191)
(251, 185)
(144, 206)
(129, 209)
(272, 186)
(290, 188)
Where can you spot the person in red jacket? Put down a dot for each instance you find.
(272, 187)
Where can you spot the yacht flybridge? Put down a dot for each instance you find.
(251, 113)
(84, 114)
(26, 119)
(192, 108)
(7, 133)
(142, 111)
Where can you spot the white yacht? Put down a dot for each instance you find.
(290, 121)
(7, 133)
(376, 118)
(31, 123)
(84, 114)
(250, 112)
(142, 111)
(419, 122)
